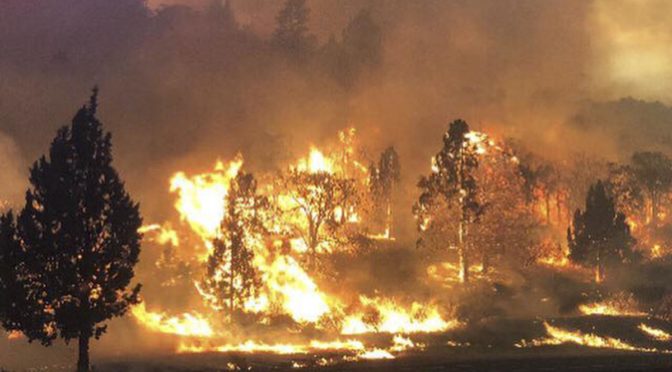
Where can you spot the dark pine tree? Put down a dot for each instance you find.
(600, 235)
(74, 245)
(230, 274)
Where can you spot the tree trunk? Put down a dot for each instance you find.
(547, 197)
(388, 220)
(83, 361)
(485, 264)
(599, 275)
(231, 291)
(654, 207)
(558, 205)
(462, 252)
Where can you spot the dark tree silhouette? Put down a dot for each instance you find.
(75, 243)
(383, 179)
(230, 274)
(452, 184)
(599, 236)
(654, 172)
(291, 34)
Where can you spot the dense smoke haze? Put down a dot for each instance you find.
(185, 83)
(177, 90)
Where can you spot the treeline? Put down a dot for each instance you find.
(121, 34)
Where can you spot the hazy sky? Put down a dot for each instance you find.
(631, 40)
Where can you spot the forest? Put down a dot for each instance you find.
(264, 184)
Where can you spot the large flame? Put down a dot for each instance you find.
(184, 325)
(393, 318)
(287, 286)
(201, 197)
(655, 333)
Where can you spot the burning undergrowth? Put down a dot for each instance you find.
(305, 261)
(278, 258)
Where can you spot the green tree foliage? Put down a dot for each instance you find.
(74, 245)
(599, 236)
(451, 189)
(231, 277)
(291, 33)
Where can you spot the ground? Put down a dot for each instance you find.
(570, 359)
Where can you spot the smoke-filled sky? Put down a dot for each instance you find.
(177, 95)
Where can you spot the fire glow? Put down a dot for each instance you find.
(287, 286)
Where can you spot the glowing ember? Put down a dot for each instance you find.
(14, 335)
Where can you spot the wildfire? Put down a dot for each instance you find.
(184, 325)
(287, 287)
(607, 308)
(316, 162)
(14, 335)
(393, 318)
(161, 234)
(201, 197)
(655, 333)
(558, 336)
(376, 354)
(349, 346)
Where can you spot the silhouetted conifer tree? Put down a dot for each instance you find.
(599, 236)
(72, 250)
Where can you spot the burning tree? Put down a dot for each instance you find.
(75, 243)
(654, 172)
(506, 226)
(451, 190)
(318, 197)
(600, 235)
(231, 277)
(382, 180)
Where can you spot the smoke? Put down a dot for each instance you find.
(14, 172)
(180, 89)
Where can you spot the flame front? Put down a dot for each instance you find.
(183, 325)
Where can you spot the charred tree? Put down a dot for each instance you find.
(75, 243)
(600, 236)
